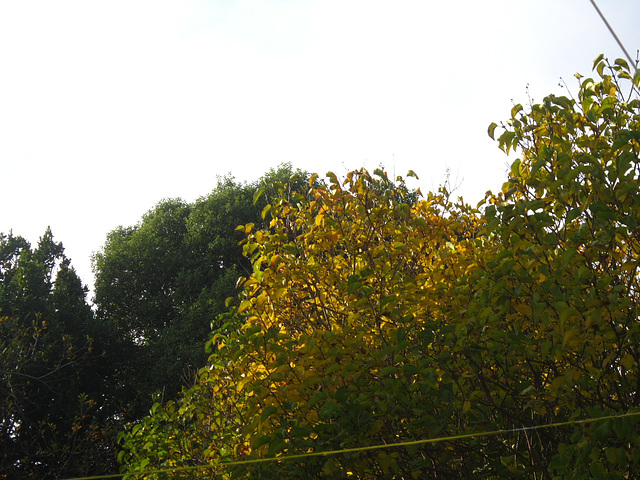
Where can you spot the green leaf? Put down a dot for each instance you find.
(603, 430)
(263, 440)
(597, 470)
(276, 445)
(388, 371)
(507, 141)
(421, 222)
(622, 63)
(328, 409)
(492, 129)
(267, 412)
(400, 246)
(627, 361)
(353, 283)
(598, 59)
(258, 193)
(333, 178)
(573, 214)
(516, 109)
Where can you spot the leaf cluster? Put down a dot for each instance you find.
(368, 319)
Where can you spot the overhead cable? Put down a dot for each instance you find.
(631, 62)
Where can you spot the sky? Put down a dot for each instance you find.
(107, 107)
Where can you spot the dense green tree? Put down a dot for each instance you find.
(369, 321)
(164, 281)
(56, 417)
(137, 271)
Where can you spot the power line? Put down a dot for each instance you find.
(631, 62)
(364, 449)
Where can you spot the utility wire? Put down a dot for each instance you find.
(631, 62)
(362, 449)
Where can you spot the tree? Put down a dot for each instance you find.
(135, 275)
(369, 321)
(325, 350)
(56, 419)
(164, 282)
(566, 275)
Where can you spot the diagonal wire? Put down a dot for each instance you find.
(452, 438)
(631, 62)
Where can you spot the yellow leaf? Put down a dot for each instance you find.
(569, 335)
(312, 416)
(524, 309)
(241, 384)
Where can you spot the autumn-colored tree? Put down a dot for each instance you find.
(328, 347)
(369, 320)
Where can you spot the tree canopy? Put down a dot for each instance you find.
(490, 335)
(56, 418)
(350, 327)
(163, 282)
(71, 376)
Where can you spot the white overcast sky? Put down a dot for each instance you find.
(106, 107)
